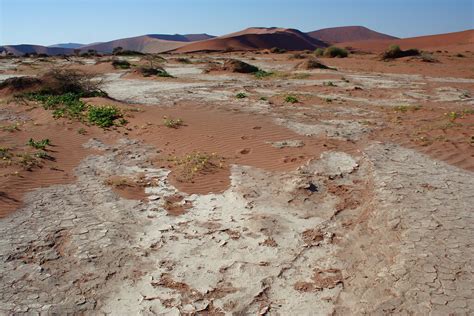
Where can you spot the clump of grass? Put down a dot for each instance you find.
(259, 74)
(291, 99)
(82, 131)
(28, 161)
(191, 165)
(10, 128)
(328, 100)
(173, 123)
(5, 153)
(121, 64)
(263, 99)
(405, 108)
(334, 51)
(103, 116)
(43, 155)
(241, 95)
(40, 144)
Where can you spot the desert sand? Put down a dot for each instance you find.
(337, 191)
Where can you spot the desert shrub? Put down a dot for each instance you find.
(297, 56)
(154, 71)
(428, 58)
(121, 64)
(291, 99)
(394, 52)
(235, 65)
(459, 55)
(319, 52)
(173, 123)
(62, 81)
(277, 50)
(334, 51)
(20, 83)
(183, 60)
(262, 74)
(191, 165)
(103, 116)
(240, 95)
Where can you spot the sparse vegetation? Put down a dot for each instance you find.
(406, 107)
(277, 50)
(241, 95)
(82, 131)
(183, 60)
(196, 163)
(172, 123)
(28, 161)
(291, 99)
(319, 52)
(334, 51)
(10, 128)
(329, 84)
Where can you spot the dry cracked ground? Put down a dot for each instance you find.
(354, 197)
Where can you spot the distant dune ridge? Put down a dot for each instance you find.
(348, 34)
(256, 38)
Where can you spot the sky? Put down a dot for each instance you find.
(47, 22)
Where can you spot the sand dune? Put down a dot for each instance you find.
(455, 42)
(348, 34)
(256, 38)
(20, 50)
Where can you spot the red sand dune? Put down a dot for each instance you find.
(348, 34)
(454, 42)
(256, 38)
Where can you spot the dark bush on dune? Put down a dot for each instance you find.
(394, 52)
(334, 51)
(18, 84)
(121, 64)
(61, 81)
(235, 65)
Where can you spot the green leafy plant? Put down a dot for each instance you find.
(259, 74)
(291, 99)
(41, 144)
(103, 116)
(240, 95)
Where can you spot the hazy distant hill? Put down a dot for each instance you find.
(67, 45)
(20, 50)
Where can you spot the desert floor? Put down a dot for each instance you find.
(357, 198)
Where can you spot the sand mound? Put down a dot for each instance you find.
(312, 63)
(234, 65)
(19, 84)
(256, 39)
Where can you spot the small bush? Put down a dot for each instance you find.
(121, 64)
(103, 116)
(394, 52)
(297, 56)
(277, 50)
(334, 51)
(291, 99)
(183, 60)
(319, 52)
(238, 66)
(41, 144)
(154, 71)
(262, 74)
(173, 123)
(240, 95)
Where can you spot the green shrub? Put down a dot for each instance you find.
(154, 71)
(121, 64)
(291, 99)
(319, 52)
(173, 123)
(259, 74)
(394, 52)
(240, 95)
(103, 116)
(334, 51)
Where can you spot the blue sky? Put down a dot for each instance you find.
(48, 22)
